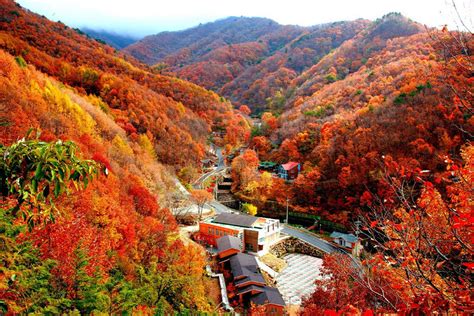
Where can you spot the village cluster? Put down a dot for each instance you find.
(235, 243)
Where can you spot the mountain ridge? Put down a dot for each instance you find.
(253, 71)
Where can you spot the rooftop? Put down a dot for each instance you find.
(249, 289)
(346, 237)
(267, 164)
(235, 219)
(290, 165)
(269, 295)
(251, 277)
(242, 263)
(246, 265)
(229, 242)
(238, 222)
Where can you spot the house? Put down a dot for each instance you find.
(269, 166)
(256, 233)
(207, 163)
(271, 299)
(348, 241)
(289, 171)
(228, 246)
(250, 285)
(245, 271)
(344, 240)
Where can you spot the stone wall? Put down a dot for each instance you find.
(294, 245)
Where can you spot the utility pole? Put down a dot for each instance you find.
(287, 200)
(357, 225)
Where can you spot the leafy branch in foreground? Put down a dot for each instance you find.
(34, 173)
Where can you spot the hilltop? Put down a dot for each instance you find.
(265, 64)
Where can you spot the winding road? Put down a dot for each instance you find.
(288, 230)
(310, 239)
(220, 167)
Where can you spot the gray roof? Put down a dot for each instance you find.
(235, 219)
(242, 264)
(250, 288)
(229, 242)
(346, 237)
(252, 277)
(270, 295)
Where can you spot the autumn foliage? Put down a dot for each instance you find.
(378, 114)
(114, 246)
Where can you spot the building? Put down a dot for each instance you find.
(344, 240)
(347, 241)
(269, 166)
(250, 286)
(271, 299)
(256, 233)
(289, 171)
(245, 271)
(228, 246)
(207, 163)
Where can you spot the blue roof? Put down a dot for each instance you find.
(346, 237)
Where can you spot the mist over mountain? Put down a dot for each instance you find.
(115, 40)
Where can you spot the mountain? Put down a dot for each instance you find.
(268, 63)
(354, 53)
(264, 85)
(389, 92)
(139, 97)
(115, 40)
(379, 133)
(201, 39)
(383, 92)
(105, 247)
(375, 117)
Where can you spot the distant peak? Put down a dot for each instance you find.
(394, 24)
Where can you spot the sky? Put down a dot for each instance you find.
(144, 17)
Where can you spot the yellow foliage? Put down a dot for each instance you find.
(146, 145)
(266, 180)
(252, 186)
(181, 108)
(59, 102)
(121, 145)
(250, 209)
(97, 101)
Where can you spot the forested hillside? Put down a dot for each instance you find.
(248, 60)
(383, 128)
(109, 247)
(195, 42)
(377, 114)
(170, 110)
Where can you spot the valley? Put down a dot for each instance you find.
(208, 170)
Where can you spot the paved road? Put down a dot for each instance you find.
(311, 239)
(220, 167)
(220, 208)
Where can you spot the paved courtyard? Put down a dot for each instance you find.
(297, 280)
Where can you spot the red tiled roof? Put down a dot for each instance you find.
(290, 165)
